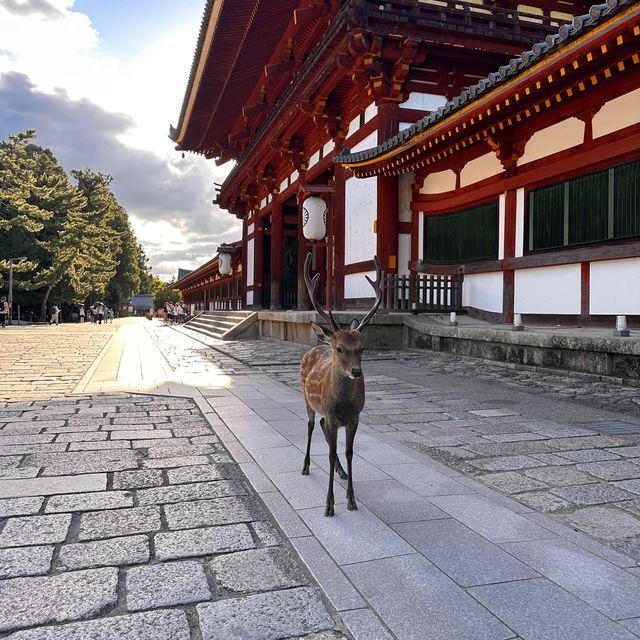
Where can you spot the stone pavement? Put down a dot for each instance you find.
(431, 553)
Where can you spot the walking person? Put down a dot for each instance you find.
(81, 313)
(4, 311)
(55, 312)
(100, 310)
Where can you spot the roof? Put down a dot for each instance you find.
(597, 14)
(235, 42)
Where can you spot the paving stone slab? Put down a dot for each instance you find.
(89, 501)
(202, 542)
(83, 462)
(418, 602)
(186, 515)
(52, 486)
(588, 494)
(607, 523)
(267, 534)
(25, 602)
(20, 506)
(150, 625)
(25, 561)
(198, 473)
(493, 521)
(32, 530)
(118, 522)
(354, 536)
(559, 475)
(462, 554)
(180, 461)
(111, 552)
(542, 610)
(506, 463)
(166, 584)
(628, 485)
(544, 501)
(609, 589)
(424, 481)
(99, 445)
(511, 482)
(257, 570)
(617, 470)
(588, 455)
(192, 491)
(266, 616)
(365, 625)
(137, 479)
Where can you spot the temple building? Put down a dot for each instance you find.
(485, 177)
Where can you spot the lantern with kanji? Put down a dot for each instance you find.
(314, 218)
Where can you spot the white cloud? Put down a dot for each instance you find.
(112, 114)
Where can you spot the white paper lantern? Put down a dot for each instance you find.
(224, 261)
(314, 218)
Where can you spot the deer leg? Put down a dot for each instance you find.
(332, 433)
(351, 434)
(310, 425)
(339, 468)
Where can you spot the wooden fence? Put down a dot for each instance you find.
(422, 292)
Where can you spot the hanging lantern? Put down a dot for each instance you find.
(225, 253)
(314, 218)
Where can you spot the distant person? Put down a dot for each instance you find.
(169, 312)
(55, 312)
(100, 312)
(110, 315)
(4, 311)
(81, 313)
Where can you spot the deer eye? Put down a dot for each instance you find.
(339, 349)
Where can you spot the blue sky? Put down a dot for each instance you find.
(101, 81)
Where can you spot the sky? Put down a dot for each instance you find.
(101, 81)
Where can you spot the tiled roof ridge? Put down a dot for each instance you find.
(506, 72)
(206, 14)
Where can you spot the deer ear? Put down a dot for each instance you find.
(321, 333)
(354, 324)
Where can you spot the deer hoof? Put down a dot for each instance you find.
(328, 511)
(352, 505)
(305, 471)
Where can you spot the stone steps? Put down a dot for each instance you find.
(222, 325)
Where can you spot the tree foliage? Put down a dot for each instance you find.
(75, 235)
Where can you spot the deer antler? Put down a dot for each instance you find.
(378, 289)
(312, 285)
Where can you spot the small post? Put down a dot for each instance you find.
(414, 308)
(517, 322)
(622, 330)
(453, 319)
(18, 314)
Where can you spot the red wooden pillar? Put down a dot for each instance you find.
(338, 236)
(243, 301)
(258, 261)
(508, 287)
(276, 255)
(304, 303)
(387, 223)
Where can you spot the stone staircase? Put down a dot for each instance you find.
(224, 325)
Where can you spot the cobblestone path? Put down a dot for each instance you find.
(124, 517)
(42, 361)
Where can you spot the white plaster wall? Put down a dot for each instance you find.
(615, 287)
(439, 182)
(293, 177)
(548, 290)
(356, 285)
(370, 112)
(354, 125)
(501, 222)
(617, 114)
(263, 203)
(531, 10)
(558, 137)
(250, 262)
(250, 229)
(328, 148)
(284, 184)
(249, 297)
(420, 237)
(519, 223)
(404, 253)
(479, 169)
(405, 181)
(483, 291)
(366, 143)
(404, 125)
(424, 101)
(315, 158)
(360, 211)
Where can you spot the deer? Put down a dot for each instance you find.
(333, 383)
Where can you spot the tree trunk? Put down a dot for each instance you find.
(43, 308)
